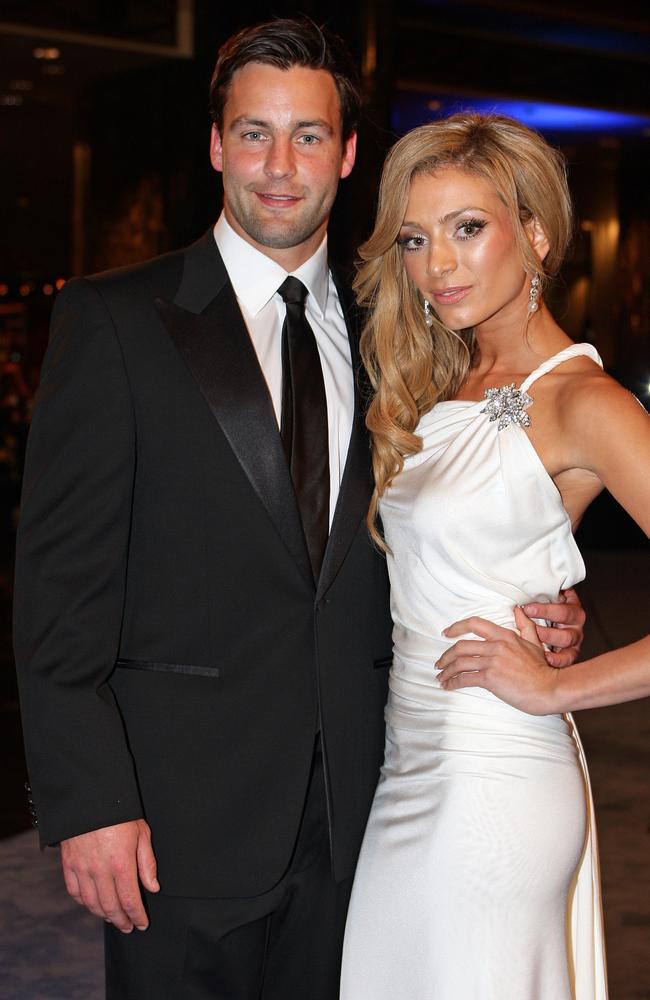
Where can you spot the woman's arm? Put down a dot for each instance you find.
(514, 668)
(609, 435)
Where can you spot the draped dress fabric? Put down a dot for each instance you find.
(478, 876)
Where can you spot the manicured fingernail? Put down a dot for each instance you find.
(142, 927)
(155, 883)
(444, 631)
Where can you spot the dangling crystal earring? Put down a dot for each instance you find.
(428, 315)
(533, 295)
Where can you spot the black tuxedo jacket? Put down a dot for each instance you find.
(173, 652)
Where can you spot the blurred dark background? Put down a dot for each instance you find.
(103, 161)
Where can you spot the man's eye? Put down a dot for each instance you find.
(253, 136)
(308, 140)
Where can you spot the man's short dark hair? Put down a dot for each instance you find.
(288, 42)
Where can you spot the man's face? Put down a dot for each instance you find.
(281, 156)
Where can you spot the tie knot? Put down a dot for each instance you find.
(293, 291)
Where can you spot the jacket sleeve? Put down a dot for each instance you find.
(71, 573)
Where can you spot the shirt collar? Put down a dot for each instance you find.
(255, 277)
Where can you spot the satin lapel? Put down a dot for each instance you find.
(357, 483)
(219, 354)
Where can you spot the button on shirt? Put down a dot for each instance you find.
(255, 279)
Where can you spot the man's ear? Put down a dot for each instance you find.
(537, 238)
(349, 154)
(216, 149)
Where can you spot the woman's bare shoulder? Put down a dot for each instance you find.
(599, 416)
(587, 391)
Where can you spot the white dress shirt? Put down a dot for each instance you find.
(255, 279)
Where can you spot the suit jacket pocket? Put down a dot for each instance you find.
(384, 661)
(168, 668)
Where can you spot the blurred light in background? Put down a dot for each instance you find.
(412, 109)
(49, 54)
(551, 27)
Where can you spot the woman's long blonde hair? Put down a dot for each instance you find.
(410, 365)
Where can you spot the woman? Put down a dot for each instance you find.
(492, 432)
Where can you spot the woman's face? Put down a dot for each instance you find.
(459, 248)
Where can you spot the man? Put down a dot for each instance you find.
(202, 624)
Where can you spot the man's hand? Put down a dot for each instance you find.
(564, 637)
(101, 871)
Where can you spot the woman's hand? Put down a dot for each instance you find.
(511, 666)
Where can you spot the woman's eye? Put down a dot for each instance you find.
(467, 230)
(411, 243)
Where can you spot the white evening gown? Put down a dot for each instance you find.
(478, 876)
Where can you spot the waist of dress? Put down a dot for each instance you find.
(418, 702)
(415, 655)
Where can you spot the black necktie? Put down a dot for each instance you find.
(304, 421)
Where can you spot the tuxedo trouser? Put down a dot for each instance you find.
(284, 944)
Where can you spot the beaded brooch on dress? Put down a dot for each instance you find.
(507, 405)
